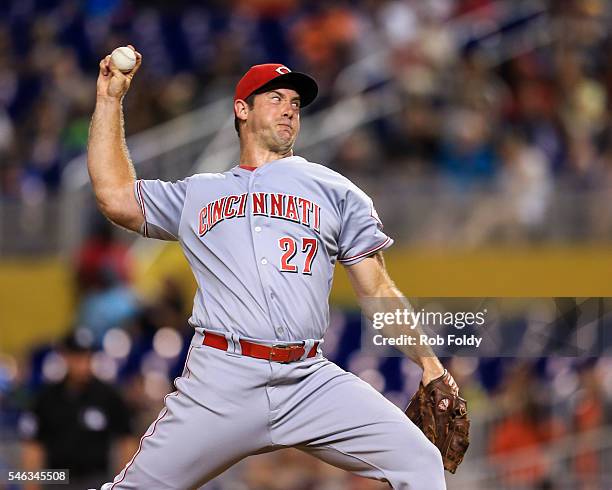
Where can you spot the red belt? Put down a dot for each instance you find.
(283, 353)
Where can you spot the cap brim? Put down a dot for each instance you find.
(303, 84)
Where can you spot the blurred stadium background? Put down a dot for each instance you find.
(482, 130)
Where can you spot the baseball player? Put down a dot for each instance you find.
(262, 240)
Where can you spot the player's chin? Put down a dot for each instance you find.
(285, 132)
(285, 137)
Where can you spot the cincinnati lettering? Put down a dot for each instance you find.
(271, 205)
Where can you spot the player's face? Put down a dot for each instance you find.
(275, 119)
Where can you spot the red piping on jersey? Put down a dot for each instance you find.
(187, 363)
(366, 253)
(142, 207)
(248, 167)
(161, 415)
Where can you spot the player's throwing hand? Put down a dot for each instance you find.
(111, 81)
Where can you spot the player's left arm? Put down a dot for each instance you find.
(371, 281)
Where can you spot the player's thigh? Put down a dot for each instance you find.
(380, 456)
(198, 434)
(347, 423)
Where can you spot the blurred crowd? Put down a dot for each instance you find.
(534, 77)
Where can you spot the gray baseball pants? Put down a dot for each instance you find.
(227, 407)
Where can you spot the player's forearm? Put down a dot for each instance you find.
(423, 355)
(108, 160)
(378, 294)
(388, 299)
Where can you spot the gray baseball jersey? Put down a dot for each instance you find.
(261, 242)
(262, 245)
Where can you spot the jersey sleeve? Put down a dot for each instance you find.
(361, 231)
(161, 204)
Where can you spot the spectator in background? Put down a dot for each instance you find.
(518, 210)
(535, 111)
(414, 136)
(101, 254)
(103, 276)
(325, 38)
(358, 154)
(467, 156)
(600, 213)
(589, 417)
(74, 424)
(518, 443)
(112, 305)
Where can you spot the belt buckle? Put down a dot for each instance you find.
(293, 350)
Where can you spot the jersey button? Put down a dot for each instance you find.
(258, 229)
(264, 261)
(280, 330)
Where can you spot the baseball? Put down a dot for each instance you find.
(124, 58)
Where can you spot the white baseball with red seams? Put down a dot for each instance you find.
(124, 58)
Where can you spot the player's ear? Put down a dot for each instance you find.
(241, 109)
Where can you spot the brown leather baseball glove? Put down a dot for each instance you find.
(439, 411)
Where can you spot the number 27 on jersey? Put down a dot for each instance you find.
(290, 246)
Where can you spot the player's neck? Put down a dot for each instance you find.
(254, 156)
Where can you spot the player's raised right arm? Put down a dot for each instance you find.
(110, 169)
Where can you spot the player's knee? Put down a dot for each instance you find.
(428, 463)
(421, 469)
(432, 459)
(418, 465)
(423, 453)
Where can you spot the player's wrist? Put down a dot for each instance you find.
(105, 100)
(432, 369)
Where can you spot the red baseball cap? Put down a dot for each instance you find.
(259, 76)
